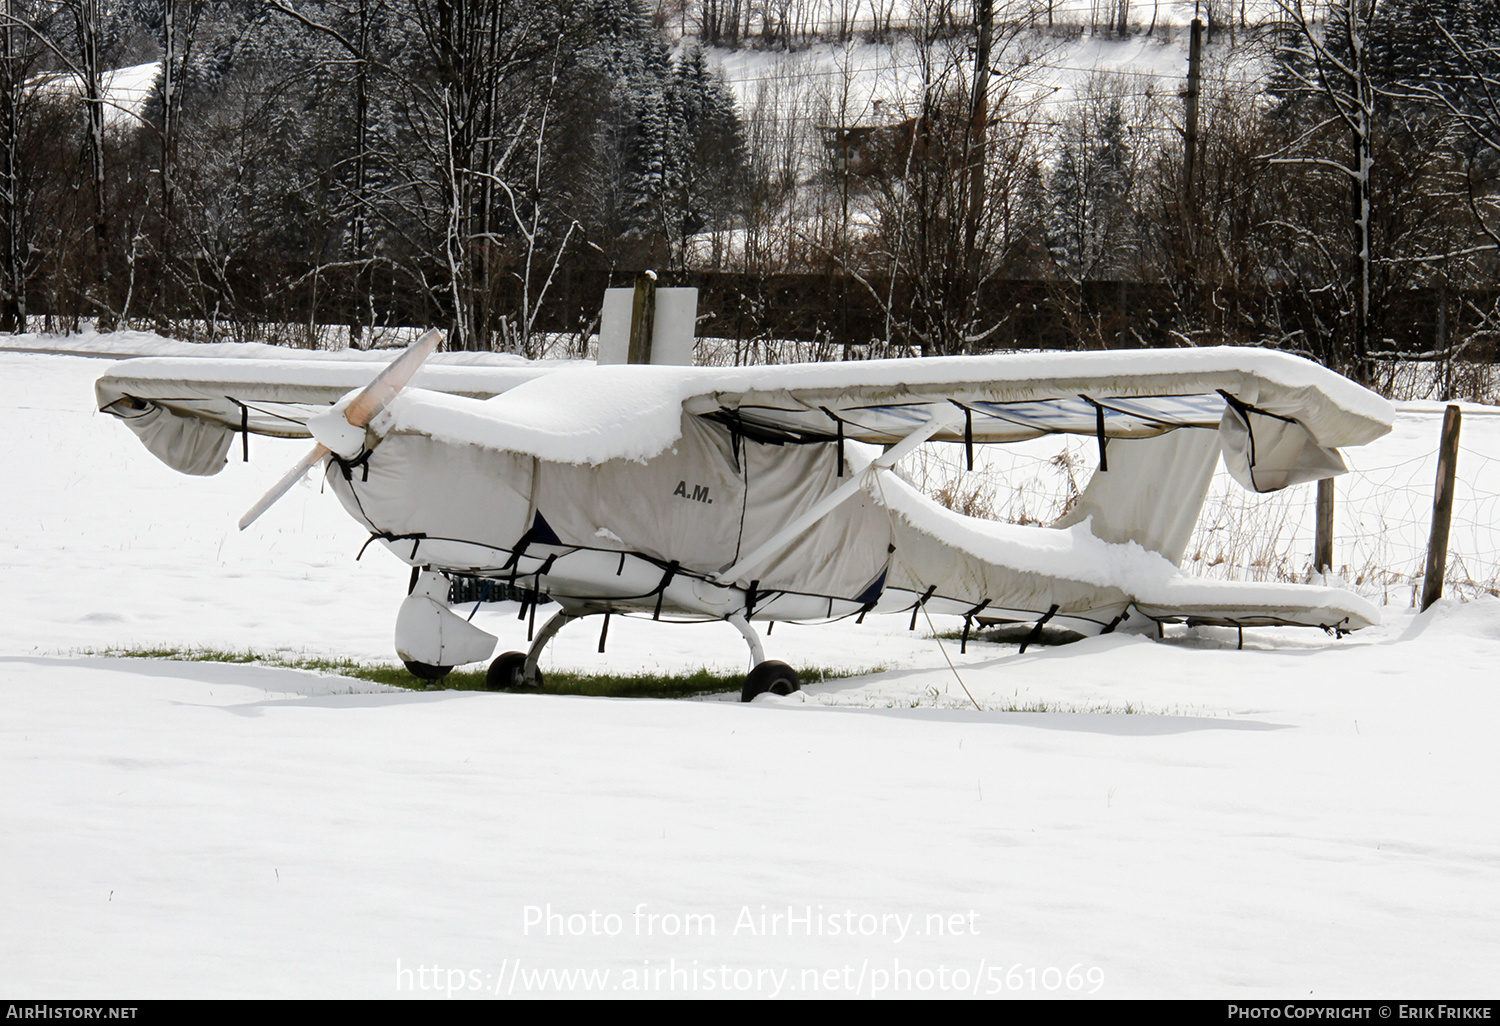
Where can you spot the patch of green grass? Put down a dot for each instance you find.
(1014, 634)
(555, 682)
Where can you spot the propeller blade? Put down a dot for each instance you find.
(391, 380)
(292, 477)
(363, 409)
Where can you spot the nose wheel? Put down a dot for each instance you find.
(426, 671)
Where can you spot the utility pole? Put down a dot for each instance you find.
(975, 146)
(1190, 134)
(1188, 203)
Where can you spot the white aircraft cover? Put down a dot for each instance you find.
(700, 505)
(723, 471)
(187, 410)
(580, 413)
(1029, 571)
(585, 414)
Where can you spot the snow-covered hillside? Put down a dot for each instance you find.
(1306, 817)
(868, 82)
(125, 90)
(1038, 72)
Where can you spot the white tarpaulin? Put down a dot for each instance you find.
(632, 484)
(1266, 454)
(1152, 492)
(700, 505)
(1023, 572)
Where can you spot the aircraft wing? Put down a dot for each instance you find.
(1280, 418)
(1008, 397)
(187, 410)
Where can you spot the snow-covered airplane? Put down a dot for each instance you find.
(743, 494)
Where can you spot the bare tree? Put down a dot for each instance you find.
(1471, 98)
(71, 32)
(352, 30)
(469, 50)
(19, 54)
(1330, 62)
(945, 208)
(529, 214)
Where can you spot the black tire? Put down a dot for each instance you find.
(772, 675)
(426, 671)
(505, 672)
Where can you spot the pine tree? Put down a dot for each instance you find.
(709, 147)
(1091, 229)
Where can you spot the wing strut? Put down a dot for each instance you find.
(943, 418)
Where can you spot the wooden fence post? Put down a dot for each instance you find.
(642, 318)
(1323, 538)
(1442, 510)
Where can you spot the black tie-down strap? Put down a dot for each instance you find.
(362, 461)
(531, 598)
(661, 589)
(415, 539)
(968, 438)
(919, 604)
(963, 644)
(839, 448)
(244, 429)
(1099, 432)
(520, 550)
(968, 433)
(1036, 632)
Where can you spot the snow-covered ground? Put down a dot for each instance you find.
(1306, 817)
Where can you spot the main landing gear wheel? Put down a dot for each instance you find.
(426, 671)
(508, 671)
(772, 675)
